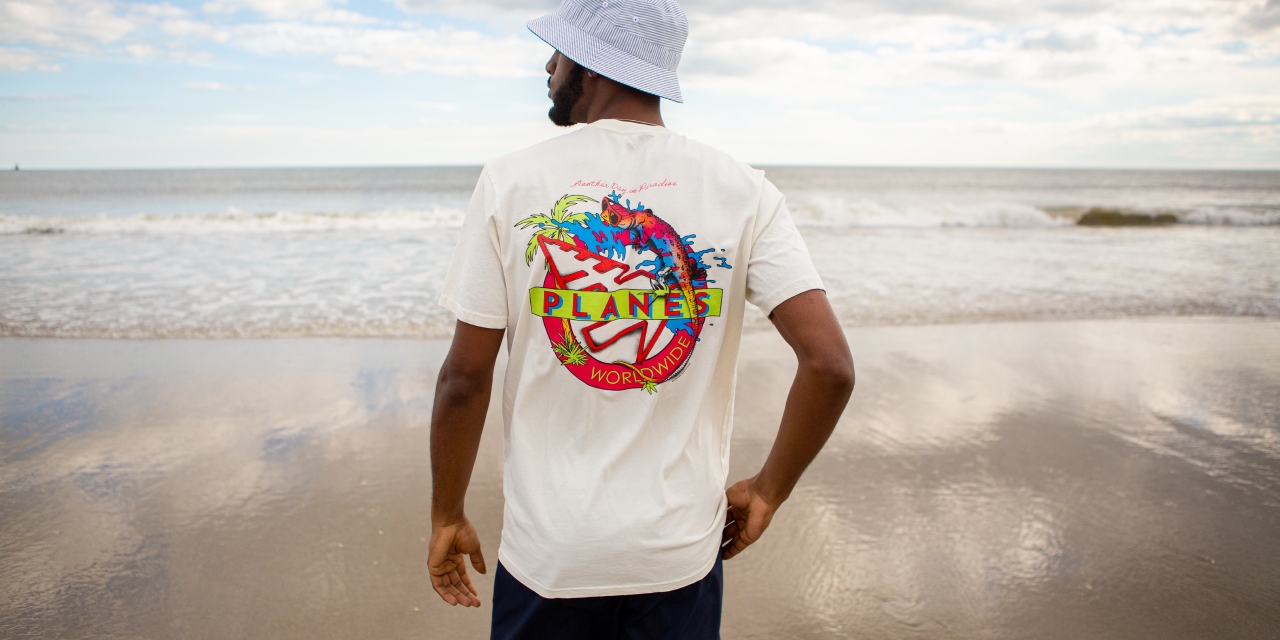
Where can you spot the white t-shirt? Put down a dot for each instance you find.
(590, 249)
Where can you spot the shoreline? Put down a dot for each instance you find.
(754, 323)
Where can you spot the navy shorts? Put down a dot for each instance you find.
(688, 613)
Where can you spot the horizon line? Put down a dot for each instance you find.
(1264, 168)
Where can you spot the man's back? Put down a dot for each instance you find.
(618, 258)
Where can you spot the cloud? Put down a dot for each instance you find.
(76, 25)
(61, 28)
(141, 50)
(1237, 112)
(436, 106)
(27, 128)
(445, 50)
(526, 9)
(218, 86)
(342, 16)
(1264, 17)
(270, 8)
(1052, 40)
(32, 97)
(24, 60)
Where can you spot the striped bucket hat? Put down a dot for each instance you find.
(634, 42)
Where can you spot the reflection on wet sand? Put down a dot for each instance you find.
(1084, 479)
(1029, 481)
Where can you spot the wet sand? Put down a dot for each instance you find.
(1108, 479)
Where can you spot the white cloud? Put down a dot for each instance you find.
(24, 60)
(77, 25)
(445, 50)
(218, 86)
(30, 97)
(342, 16)
(481, 8)
(905, 44)
(1228, 132)
(26, 128)
(437, 106)
(141, 50)
(270, 8)
(1259, 113)
(60, 28)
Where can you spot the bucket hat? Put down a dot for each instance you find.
(634, 42)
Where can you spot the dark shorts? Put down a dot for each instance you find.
(688, 613)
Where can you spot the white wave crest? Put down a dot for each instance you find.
(837, 212)
(234, 221)
(1231, 217)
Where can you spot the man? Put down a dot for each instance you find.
(617, 260)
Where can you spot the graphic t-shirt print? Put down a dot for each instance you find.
(625, 296)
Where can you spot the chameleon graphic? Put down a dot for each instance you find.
(649, 232)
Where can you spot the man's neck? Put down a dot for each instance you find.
(625, 103)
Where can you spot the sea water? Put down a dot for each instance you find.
(362, 252)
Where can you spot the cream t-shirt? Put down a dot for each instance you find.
(618, 258)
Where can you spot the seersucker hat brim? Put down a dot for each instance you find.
(606, 59)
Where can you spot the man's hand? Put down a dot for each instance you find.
(749, 516)
(449, 543)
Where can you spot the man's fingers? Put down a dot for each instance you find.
(736, 547)
(461, 596)
(730, 532)
(452, 590)
(462, 582)
(439, 586)
(743, 531)
(454, 585)
(477, 561)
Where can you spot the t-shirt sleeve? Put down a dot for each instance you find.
(780, 266)
(476, 288)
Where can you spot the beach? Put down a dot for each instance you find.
(1060, 479)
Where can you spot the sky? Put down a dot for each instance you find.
(973, 83)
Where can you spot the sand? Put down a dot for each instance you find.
(1108, 479)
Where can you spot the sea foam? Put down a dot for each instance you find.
(234, 221)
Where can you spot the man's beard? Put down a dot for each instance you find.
(566, 97)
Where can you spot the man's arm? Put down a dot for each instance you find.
(462, 400)
(818, 395)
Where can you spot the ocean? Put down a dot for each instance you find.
(362, 252)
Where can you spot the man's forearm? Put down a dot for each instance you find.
(457, 421)
(819, 393)
(818, 396)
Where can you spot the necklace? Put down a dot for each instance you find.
(639, 122)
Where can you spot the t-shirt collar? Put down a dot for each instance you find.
(628, 128)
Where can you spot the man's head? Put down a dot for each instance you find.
(577, 93)
(564, 85)
(625, 45)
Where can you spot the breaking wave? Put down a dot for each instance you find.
(1228, 217)
(836, 212)
(234, 221)
(810, 212)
